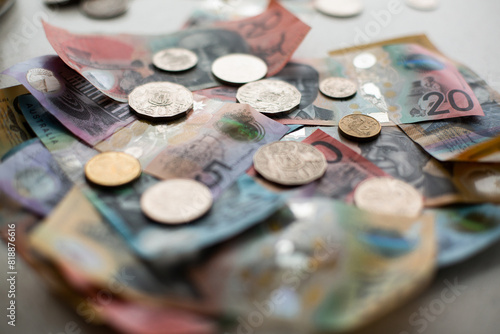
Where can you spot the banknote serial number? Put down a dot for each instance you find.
(11, 274)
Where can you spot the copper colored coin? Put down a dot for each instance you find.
(239, 68)
(359, 127)
(111, 169)
(176, 201)
(384, 195)
(175, 59)
(161, 100)
(289, 163)
(338, 88)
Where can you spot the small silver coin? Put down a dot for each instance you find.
(161, 100)
(239, 68)
(104, 9)
(176, 201)
(43, 80)
(175, 59)
(423, 4)
(289, 163)
(364, 60)
(340, 8)
(338, 88)
(269, 96)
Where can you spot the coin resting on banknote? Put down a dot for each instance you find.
(176, 201)
(385, 195)
(359, 127)
(289, 163)
(175, 59)
(111, 169)
(338, 88)
(161, 100)
(269, 96)
(239, 68)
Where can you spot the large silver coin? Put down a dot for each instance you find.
(157, 100)
(176, 201)
(384, 195)
(104, 9)
(338, 88)
(43, 80)
(269, 96)
(423, 4)
(289, 163)
(175, 59)
(340, 8)
(239, 68)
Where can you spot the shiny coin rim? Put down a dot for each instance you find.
(220, 65)
(103, 180)
(139, 91)
(346, 133)
(165, 66)
(323, 87)
(416, 199)
(295, 95)
(264, 174)
(173, 185)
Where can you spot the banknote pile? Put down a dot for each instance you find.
(205, 181)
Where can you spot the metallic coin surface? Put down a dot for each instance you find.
(340, 8)
(364, 60)
(239, 68)
(289, 163)
(384, 195)
(175, 59)
(269, 96)
(338, 88)
(176, 201)
(111, 169)
(359, 127)
(157, 100)
(423, 4)
(43, 80)
(104, 9)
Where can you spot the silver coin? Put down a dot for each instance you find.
(340, 8)
(269, 96)
(423, 4)
(175, 59)
(289, 163)
(338, 88)
(364, 60)
(239, 68)
(385, 195)
(104, 9)
(176, 201)
(156, 100)
(43, 80)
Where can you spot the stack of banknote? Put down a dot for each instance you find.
(266, 257)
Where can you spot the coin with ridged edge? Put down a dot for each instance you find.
(338, 88)
(161, 100)
(239, 68)
(289, 163)
(104, 9)
(112, 169)
(385, 195)
(269, 96)
(359, 127)
(175, 59)
(176, 201)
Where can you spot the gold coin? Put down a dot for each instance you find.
(239, 68)
(111, 169)
(289, 163)
(176, 201)
(359, 127)
(338, 88)
(385, 195)
(175, 59)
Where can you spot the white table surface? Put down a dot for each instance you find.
(467, 31)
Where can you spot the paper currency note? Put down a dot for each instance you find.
(220, 147)
(32, 177)
(68, 151)
(13, 129)
(80, 107)
(116, 64)
(241, 206)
